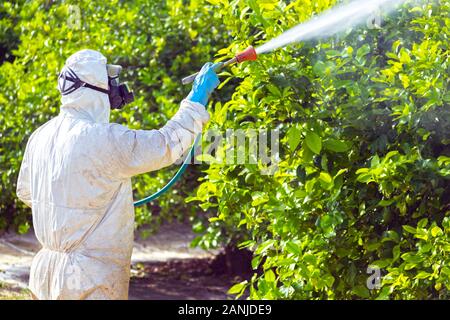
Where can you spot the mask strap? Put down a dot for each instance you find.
(70, 75)
(90, 86)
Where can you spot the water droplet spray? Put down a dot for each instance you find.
(330, 22)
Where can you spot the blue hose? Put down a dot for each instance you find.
(174, 179)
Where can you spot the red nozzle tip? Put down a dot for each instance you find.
(248, 54)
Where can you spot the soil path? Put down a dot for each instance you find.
(163, 267)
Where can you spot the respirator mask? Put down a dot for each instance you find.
(118, 93)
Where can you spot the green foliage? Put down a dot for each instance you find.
(363, 117)
(364, 172)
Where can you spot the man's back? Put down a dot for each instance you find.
(70, 200)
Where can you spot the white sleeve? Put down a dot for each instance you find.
(23, 190)
(140, 151)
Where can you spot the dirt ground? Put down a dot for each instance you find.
(163, 267)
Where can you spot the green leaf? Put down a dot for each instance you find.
(274, 90)
(375, 161)
(325, 177)
(386, 202)
(23, 228)
(365, 178)
(389, 155)
(326, 180)
(409, 229)
(435, 231)
(336, 145)
(341, 171)
(259, 198)
(422, 223)
(294, 137)
(293, 248)
(256, 261)
(326, 222)
(269, 276)
(404, 56)
(246, 244)
(198, 227)
(314, 142)
(412, 258)
(422, 275)
(396, 253)
(391, 235)
(263, 247)
(310, 258)
(361, 291)
(238, 287)
(445, 270)
(384, 294)
(383, 263)
(307, 154)
(319, 68)
(363, 51)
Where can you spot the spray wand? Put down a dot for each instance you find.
(248, 54)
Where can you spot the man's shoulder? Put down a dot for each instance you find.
(107, 128)
(83, 132)
(41, 128)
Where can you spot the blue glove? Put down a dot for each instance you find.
(204, 84)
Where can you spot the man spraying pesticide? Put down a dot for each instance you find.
(76, 176)
(77, 168)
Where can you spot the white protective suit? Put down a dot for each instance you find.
(75, 175)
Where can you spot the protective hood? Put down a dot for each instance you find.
(85, 103)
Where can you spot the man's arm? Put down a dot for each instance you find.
(139, 151)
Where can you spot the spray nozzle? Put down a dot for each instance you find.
(248, 54)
